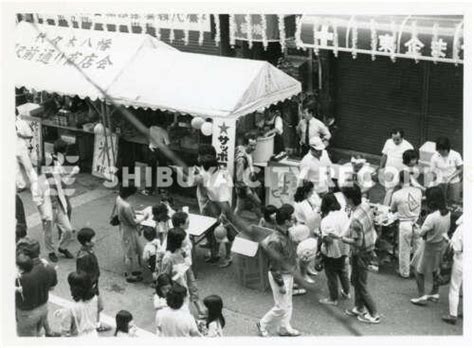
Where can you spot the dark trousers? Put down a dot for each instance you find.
(336, 269)
(154, 159)
(359, 282)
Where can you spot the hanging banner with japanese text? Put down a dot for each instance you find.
(432, 38)
(223, 140)
(258, 23)
(179, 21)
(65, 60)
(34, 144)
(105, 155)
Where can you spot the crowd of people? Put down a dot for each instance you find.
(328, 226)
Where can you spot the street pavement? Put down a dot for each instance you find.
(92, 205)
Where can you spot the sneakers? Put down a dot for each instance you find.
(433, 297)
(308, 279)
(289, 332)
(354, 312)
(261, 331)
(53, 257)
(420, 301)
(369, 319)
(67, 254)
(449, 319)
(328, 301)
(299, 291)
(345, 296)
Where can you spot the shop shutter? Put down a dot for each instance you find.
(372, 97)
(445, 104)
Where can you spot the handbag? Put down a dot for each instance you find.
(114, 219)
(443, 277)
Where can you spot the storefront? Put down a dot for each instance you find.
(390, 71)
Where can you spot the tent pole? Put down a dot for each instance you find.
(107, 115)
(105, 134)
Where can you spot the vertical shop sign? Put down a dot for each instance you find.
(223, 140)
(104, 159)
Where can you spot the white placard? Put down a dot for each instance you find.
(34, 144)
(104, 157)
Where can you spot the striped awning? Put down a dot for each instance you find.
(431, 38)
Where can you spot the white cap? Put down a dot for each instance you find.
(316, 143)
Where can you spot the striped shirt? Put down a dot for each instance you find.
(362, 229)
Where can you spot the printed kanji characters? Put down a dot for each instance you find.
(103, 44)
(101, 64)
(87, 61)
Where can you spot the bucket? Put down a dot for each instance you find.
(264, 149)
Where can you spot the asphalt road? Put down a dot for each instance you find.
(243, 307)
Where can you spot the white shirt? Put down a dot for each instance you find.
(217, 185)
(158, 137)
(307, 213)
(457, 243)
(316, 171)
(151, 248)
(446, 166)
(336, 222)
(175, 323)
(215, 329)
(394, 153)
(316, 129)
(407, 202)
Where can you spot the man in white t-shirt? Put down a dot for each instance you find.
(407, 203)
(315, 166)
(392, 161)
(447, 165)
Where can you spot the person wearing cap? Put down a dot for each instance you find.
(32, 302)
(315, 166)
(310, 127)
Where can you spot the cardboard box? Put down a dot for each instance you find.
(29, 109)
(427, 150)
(251, 262)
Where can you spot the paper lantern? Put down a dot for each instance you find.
(220, 233)
(206, 128)
(299, 233)
(197, 122)
(307, 249)
(99, 129)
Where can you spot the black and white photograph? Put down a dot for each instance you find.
(276, 173)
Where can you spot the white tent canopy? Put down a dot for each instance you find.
(202, 85)
(141, 71)
(102, 56)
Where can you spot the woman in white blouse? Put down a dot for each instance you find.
(307, 213)
(80, 318)
(307, 206)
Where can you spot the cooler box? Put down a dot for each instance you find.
(264, 149)
(427, 150)
(251, 262)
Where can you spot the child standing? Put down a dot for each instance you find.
(163, 223)
(152, 249)
(124, 326)
(163, 286)
(215, 320)
(86, 261)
